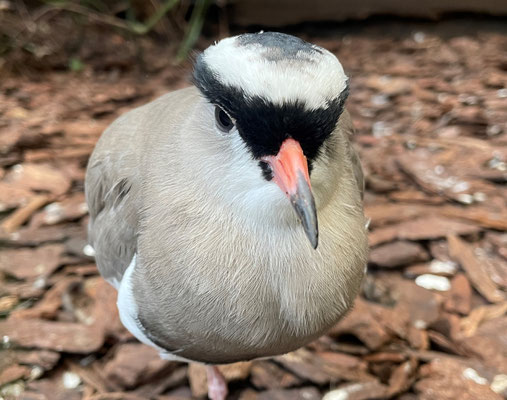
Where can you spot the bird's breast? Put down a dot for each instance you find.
(225, 298)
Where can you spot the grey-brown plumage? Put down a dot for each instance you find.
(223, 270)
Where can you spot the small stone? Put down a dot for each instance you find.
(71, 380)
(89, 251)
(443, 267)
(470, 373)
(433, 282)
(419, 37)
(499, 384)
(465, 198)
(358, 391)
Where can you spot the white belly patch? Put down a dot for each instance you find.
(128, 310)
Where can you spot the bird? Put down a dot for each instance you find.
(229, 214)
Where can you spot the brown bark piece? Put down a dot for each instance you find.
(267, 375)
(166, 379)
(361, 323)
(402, 377)
(58, 336)
(390, 213)
(464, 254)
(396, 254)
(39, 177)
(12, 196)
(447, 379)
(429, 228)
(31, 236)
(43, 358)
(302, 363)
(432, 174)
(51, 388)
(31, 263)
(47, 307)
(478, 315)
(69, 209)
(489, 343)
(9, 138)
(21, 215)
(13, 373)
(415, 305)
(460, 295)
(484, 218)
(132, 364)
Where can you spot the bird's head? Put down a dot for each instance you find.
(277, 100)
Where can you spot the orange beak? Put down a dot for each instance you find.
(290, 173)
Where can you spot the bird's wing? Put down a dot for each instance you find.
(348, 128)
(115, 179)
(111, 189)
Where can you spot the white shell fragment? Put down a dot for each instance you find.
(443, 267)
(433, 282)
(499, 384)
(472, 374)
(343, 393)
(89, 251)
(71, 380)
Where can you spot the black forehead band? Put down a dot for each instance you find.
(264, 125)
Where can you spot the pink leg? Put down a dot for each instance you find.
(217, 386)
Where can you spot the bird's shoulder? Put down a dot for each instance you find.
(346, 126)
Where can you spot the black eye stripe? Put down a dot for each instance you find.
(263, 125)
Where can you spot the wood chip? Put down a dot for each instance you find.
(268, 375)
(361, 323)
(132, 364)
(58, 336)
(460, 295)
(13, 373)
(39, 177)
(49, 305)
(20, 216)
(433, 227)
(480, 314)
(479, 277)
(396, 254)
(12, 196)
(31, 263)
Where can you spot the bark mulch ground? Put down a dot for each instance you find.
(431, 321)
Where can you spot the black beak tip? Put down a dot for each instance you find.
(314, 240)
(304, 204)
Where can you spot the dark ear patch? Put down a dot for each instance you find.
(267, 172)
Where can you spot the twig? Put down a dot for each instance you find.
(138, 28)
(105, 19)
(195, 26)
(152, 21)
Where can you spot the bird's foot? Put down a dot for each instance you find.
(217, 386)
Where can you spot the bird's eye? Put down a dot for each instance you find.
(223, 121)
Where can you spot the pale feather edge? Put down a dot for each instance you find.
(129, 310)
